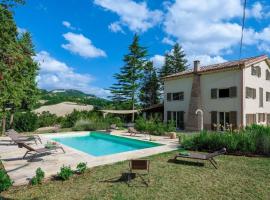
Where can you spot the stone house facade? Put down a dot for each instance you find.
(230, 95)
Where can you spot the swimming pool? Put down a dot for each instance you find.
(100, 144)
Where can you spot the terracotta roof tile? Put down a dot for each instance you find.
(220, 66)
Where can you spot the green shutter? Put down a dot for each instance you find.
(213, 93)
(233, 91)
(233, 119)
(169, 96)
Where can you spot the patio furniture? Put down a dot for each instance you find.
(199, 156)
(16, 137)
(38, 151)
(138, 165)
(111, 128)
(132, 131)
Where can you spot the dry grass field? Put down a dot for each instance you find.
(64, 108)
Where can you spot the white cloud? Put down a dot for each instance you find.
(81, 45)
(115, 27)
(264, 35)
(167, 40)
(256, 11)
(55, 74)
(263, 39)
(205, 59)
(206, 26)
(136, 16)
(158, 61)
(68, 25)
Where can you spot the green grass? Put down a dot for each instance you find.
(237, 178)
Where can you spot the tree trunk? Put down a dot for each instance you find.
(4, 123)
(133, 114)
(11, 122)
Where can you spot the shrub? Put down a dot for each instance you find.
(25, 122)
(81, 167)
(153, 126)
(38, 178)
(65, 173)
(82, 125)
(252, 140)
(5, 181)
(47, 119)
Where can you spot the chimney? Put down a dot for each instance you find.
(196, 66)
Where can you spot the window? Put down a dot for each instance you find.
(178, 96)
(227, 120)
(267, 96)
(213, 120)
(250, 119)
(169, 96)
(260, 97)
(177, 117)
(267, 74)
(250, 93)
(223, 93)
(261, 117)
(268, 119)
(256, 71)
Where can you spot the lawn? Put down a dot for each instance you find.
(236, 178)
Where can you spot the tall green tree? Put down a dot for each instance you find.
(25, 79)
(17, 71)
(9, 59)
(175, 61)
(149, 94)
(127, 87)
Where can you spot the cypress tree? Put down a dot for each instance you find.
(127, 86)
(150, 86)
(175, 61)
(17, 69)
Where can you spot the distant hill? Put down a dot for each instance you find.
(70, 95)
(62, 109)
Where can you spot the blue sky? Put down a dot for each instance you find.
(80, 43)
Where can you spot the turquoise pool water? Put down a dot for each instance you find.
(100, 144)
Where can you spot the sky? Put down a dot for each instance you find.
(80, 44)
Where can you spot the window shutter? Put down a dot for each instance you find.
(169, 96)
(253, 71)
(214, 93)
(267, 72)
(233, 119)
(259, 73)
(169, 116)
(254, 94)
(181, 96)
(213, 119)
(233, 91)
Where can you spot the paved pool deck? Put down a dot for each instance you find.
(21, 170)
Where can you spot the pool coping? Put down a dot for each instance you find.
(21, 170)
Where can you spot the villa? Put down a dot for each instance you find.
(234, 94)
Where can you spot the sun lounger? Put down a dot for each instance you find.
(111, 128)
(38, 151)
(16, 137)
(199, 156)
(132, 131)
